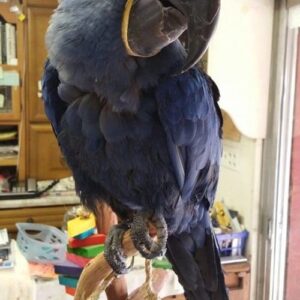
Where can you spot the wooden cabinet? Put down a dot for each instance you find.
(237, 279)
(44, 215)
(25, 111)
(13, 115)
(45, 158)
(11, 73)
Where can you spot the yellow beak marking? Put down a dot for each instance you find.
(125, 24)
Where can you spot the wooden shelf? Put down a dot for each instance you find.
(8, 161)
(9, 122)
(9, 67)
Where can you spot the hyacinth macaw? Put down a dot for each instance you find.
(140, 126)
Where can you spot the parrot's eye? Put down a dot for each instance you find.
(150, 25)
(167, 3)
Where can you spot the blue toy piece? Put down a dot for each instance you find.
(68, 281)
(85, 234)
(68, 269)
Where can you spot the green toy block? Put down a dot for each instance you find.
(162, 264)
(88, 252)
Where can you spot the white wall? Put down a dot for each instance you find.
(239, 61)
(240, 188)
(236, 185)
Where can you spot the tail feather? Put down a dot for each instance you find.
(196, 261)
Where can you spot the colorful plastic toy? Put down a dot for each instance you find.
(79, 225)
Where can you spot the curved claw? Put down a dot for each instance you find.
(113, 252)
(148, 247)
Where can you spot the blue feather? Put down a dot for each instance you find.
(88, 53)
(54, 107)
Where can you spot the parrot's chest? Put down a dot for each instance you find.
(122, 156)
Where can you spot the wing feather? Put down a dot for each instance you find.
(54, 107)
(189, 113)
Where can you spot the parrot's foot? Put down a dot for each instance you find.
(113, 252)
(143, 242)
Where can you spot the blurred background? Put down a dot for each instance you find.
(254, 57)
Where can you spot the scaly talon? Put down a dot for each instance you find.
(148, 247)
(113, 252)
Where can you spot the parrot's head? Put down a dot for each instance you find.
(148, 26)
(117, 48)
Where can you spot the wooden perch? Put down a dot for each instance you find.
(98, 271)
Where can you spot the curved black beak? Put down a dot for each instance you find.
(202, 17)
(150, 25)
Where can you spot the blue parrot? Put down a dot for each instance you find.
(140, 126)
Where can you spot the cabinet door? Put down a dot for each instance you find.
(45, 158)
(38, 19)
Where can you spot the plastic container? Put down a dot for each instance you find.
(41, 243)
(232, 244)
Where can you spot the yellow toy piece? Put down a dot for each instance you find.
(221, 213)
(79, 225)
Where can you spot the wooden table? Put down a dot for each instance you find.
(237, 279)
